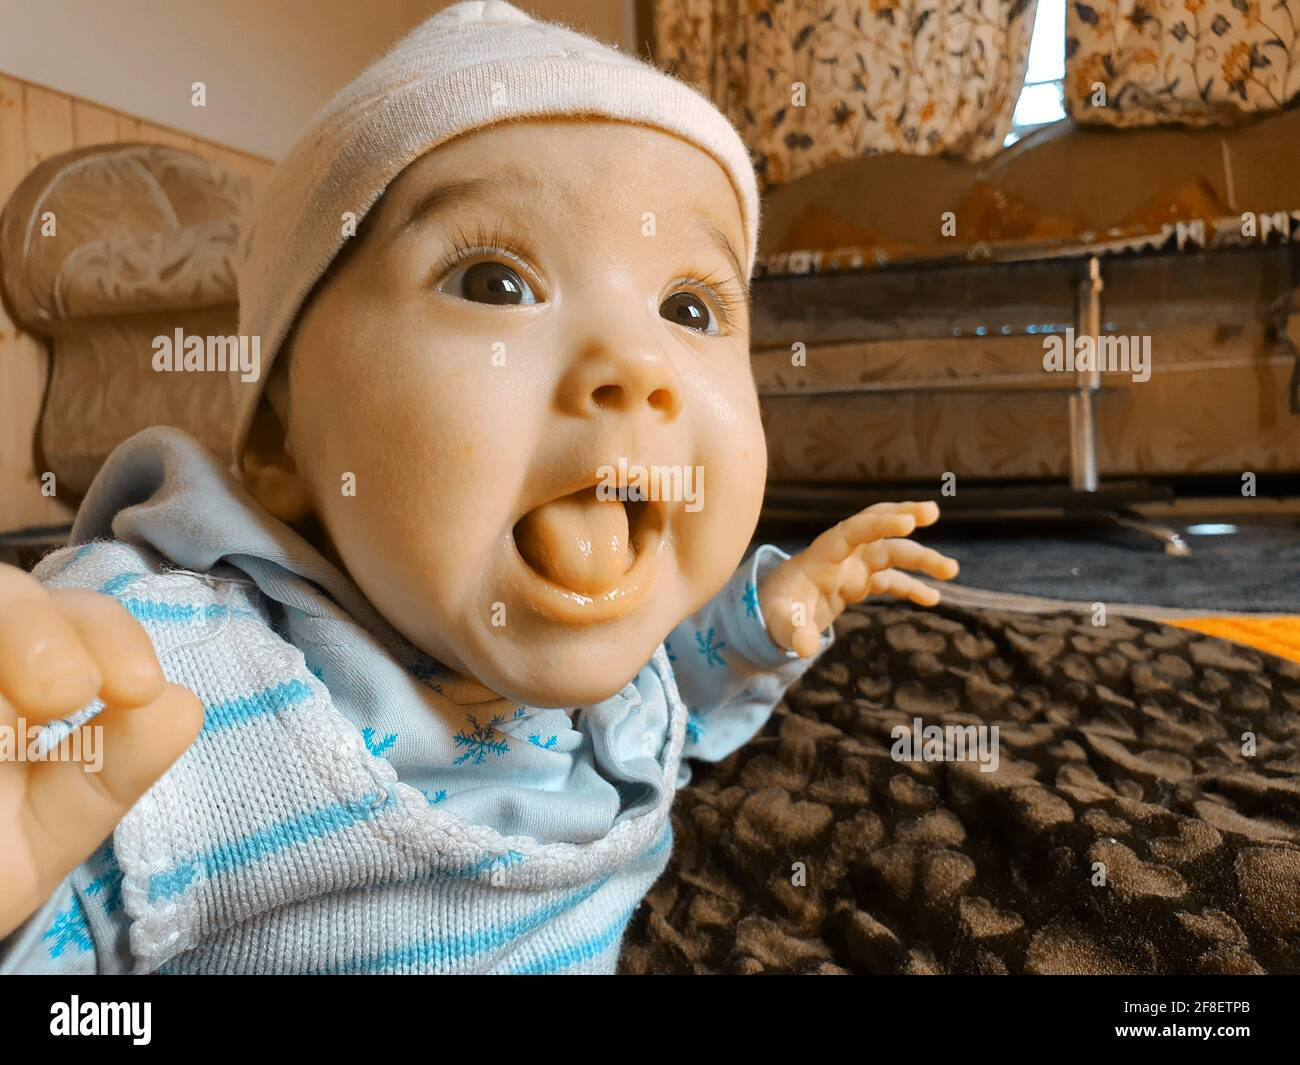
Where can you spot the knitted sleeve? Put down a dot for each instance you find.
(82, 928)
(54, 941)
(729, 671)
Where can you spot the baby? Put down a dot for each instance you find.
(410, 689)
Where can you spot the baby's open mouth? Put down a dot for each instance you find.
(583, 542)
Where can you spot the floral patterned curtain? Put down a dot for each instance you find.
(811, 82)
(1195, 62)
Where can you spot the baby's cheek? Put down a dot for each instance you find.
(719, 529)
(739, 460)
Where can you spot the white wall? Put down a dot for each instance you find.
(268, 65)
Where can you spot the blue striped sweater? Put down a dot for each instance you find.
(344, 810)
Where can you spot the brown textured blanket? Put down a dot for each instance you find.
(1125, 830)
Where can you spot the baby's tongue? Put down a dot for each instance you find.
(578, 541)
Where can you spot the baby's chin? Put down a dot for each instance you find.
(554, 685)
(563, 669)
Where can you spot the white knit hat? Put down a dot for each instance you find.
(472, 65)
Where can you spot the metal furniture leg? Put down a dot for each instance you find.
(1174, 544)
(1083, 420)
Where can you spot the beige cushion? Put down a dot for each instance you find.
(1218, 398)
(103, 249)
(1060, 182)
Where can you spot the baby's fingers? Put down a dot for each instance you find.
(807, 641)
(45, 671)
(925, 513)
(72, 805)
(118, 644)
(903, 586)
(790, 624)
(840, 541)
(907, 554)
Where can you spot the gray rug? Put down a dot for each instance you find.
(1257, 569)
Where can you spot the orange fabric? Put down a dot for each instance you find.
(1277, 636)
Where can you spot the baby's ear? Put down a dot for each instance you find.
(270, 473)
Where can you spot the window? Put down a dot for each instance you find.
(1041, 100)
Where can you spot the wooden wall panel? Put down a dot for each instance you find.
(36, 123)
(92, 124)
(23, 360)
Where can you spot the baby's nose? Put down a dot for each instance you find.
(617, 397)
(622, 384)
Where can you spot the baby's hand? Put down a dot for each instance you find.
(59, 651)
(856, 558)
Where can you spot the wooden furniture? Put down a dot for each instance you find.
(37, 123)
(1182, 277)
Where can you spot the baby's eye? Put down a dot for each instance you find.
(489, 282)
(688, 309)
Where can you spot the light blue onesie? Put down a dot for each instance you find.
(326, 820)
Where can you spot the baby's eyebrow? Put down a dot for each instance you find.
(719, 240)
(459, 193)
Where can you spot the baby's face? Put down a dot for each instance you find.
(532, 308)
